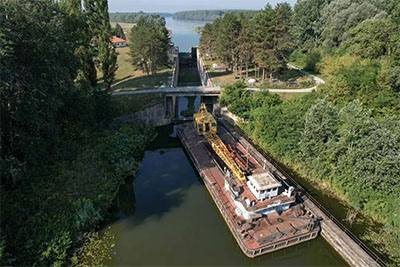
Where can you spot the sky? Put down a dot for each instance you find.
(180, 5)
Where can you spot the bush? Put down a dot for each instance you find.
(45, 216)
(341, 143)
(307, 61)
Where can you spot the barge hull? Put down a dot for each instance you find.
(207, 169)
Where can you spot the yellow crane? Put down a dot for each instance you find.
(206, 125)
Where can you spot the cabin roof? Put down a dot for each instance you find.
(116, 39)
(263, 181)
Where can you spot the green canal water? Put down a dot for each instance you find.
(165, 216)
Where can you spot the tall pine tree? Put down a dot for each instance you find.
(150, 45)
(100, 31)
(119, 32)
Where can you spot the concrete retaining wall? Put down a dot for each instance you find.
(152, 116)
(175, 74)
(204, 76)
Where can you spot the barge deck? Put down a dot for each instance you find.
(258, 236)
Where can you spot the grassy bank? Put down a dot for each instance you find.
(51, 215)
(128, 79)
(286, 79)
(46, 217)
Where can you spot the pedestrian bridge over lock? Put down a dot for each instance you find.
(203, 91)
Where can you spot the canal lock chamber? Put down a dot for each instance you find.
(181, 107)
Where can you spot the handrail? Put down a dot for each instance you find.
(227, 211)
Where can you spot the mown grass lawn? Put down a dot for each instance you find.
(223, 77)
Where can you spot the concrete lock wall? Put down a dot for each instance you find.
(204, 76)
(153, 116)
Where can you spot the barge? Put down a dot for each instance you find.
(260, 209)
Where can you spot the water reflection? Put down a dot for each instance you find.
(126, 199)
(187, 106)
(168, 218)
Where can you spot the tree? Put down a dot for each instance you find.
(283, 41)
(37, 69)
(319, 132)
(135, 17)
(339, 16)
(246, 45)
(207, 40)
(372, 39)
(306, 22)
(263, 34)
(272, 38)
(227, 41)
(150, 45)
(108, 58)
(119, 32)
(100, 32)
(80, 38)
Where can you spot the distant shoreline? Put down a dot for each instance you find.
(198, 15)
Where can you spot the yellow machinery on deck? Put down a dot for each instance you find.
(206, 125)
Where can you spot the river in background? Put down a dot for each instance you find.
(165, 216)
(183, 34)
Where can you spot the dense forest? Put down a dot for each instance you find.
(347, 134)
(209, 15)
(63, 157)
(136, 17)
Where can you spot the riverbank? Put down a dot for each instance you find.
(55, 210)
(360, 224)
(282, 129)
(332, 230)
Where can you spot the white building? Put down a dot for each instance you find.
(118, 42)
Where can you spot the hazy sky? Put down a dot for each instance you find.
(179, 5)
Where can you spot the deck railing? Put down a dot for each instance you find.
(228, 213)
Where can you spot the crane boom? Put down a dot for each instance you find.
(206, 125)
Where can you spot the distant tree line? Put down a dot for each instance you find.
(210, 15)
(347, 134)
(136, 17)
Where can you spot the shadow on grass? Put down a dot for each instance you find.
(215, 74)
(143, 82)
(118, 81)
